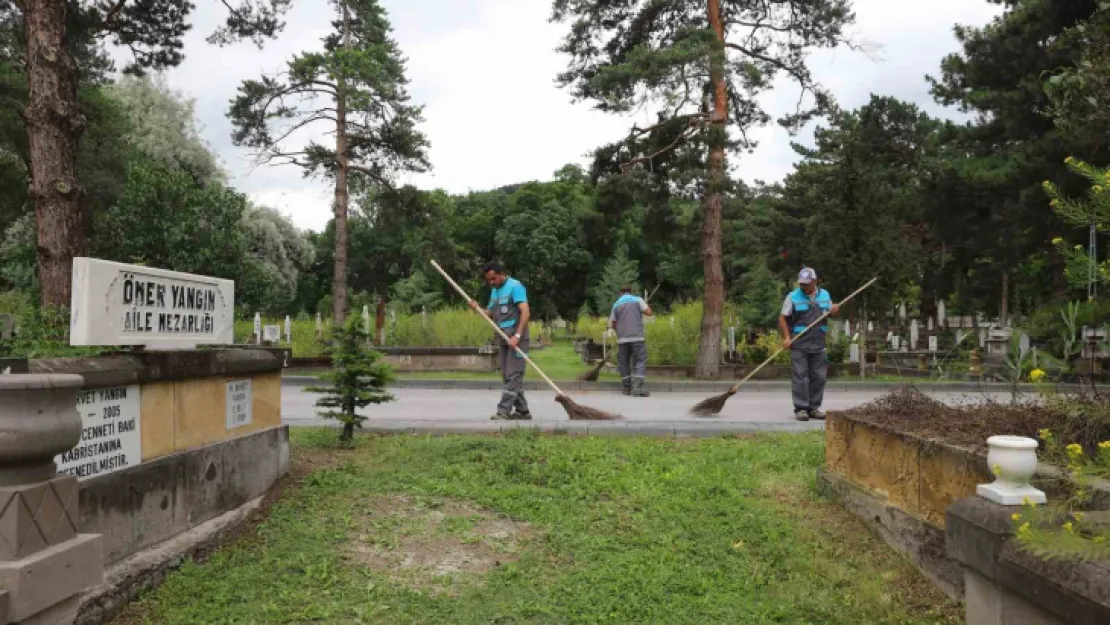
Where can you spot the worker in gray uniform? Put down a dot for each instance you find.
(627, 319)
(808, 361)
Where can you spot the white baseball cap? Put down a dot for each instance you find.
(806, 275)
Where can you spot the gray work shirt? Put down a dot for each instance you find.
(627, 317)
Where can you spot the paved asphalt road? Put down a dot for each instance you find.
(418, 406)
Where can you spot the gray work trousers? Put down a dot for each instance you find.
(807, 379)
(632, 362)
(513, 366)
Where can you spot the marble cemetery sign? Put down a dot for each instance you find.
(118, 304)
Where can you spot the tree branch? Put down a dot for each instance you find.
(692, 128)
(378, 178)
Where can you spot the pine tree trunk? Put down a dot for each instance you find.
(339, 275)
(708, 363)
(54, 128)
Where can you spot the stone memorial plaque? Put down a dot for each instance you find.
(111, 439)
(239, 402)
(271, 334)
(118, 304)
(932, 343)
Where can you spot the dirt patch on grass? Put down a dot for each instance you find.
(846, 537)
(434, 545)
(1085, 420)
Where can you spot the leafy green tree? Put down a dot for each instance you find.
(1080, 93)
(762, 297)
(1001, 159)
(706, 61)
(164, 126)
(354, 90)
(619, 271)
(196, 229)
(415, 293)
(357, 378)
(47, 31)
(278, 257)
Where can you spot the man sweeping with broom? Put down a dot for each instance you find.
(627, 319)
(808, 364)
(508, 308)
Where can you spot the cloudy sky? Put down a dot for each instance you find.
(485, 69)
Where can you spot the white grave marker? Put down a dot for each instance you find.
(271, 334)
(932, 343)
(941, 313)
(239, 408)
(288, 330)
(110, 436)
(914, 335)
(853, 353)
(118, 304)
(258, 328)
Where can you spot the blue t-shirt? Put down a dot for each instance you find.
(504, 303)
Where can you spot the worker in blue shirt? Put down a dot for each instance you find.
(808, 361)
(508, 308)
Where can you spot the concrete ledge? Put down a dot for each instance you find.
(921, 542)
(122, 369)
(1011, 585)
(154, 501)
(147, 569)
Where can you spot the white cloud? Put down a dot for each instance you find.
(485, 71)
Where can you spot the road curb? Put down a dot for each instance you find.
(655, 429)
(678, 387)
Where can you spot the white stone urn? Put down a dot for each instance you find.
(1013, 461)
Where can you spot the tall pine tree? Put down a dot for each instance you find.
(703, 62)
(354, 90)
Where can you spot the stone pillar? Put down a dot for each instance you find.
(45, 564)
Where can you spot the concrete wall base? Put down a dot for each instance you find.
(148, 568)
(922, 542)
(988, 604)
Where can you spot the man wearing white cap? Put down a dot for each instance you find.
(808, 362)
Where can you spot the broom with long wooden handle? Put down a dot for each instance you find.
(714, 404)
(576, 412)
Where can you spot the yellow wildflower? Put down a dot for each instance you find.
(1069, 528)
(1098, 188)
(1078, 516)
(1025, 501)
(1057, 241)
(1074, 450)
(1069, 160)
(1045, 434)
(1024, 529)
(1015, 517)
(1104, 445)
(1036, 375)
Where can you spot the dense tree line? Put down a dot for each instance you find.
(959, 212)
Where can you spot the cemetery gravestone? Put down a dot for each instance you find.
(271, 334)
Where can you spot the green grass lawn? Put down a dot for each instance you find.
(551, 529)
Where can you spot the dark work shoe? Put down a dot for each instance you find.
(521, 416)
(500, 417)
(801, 415)
(626, 390)
(817, 414)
